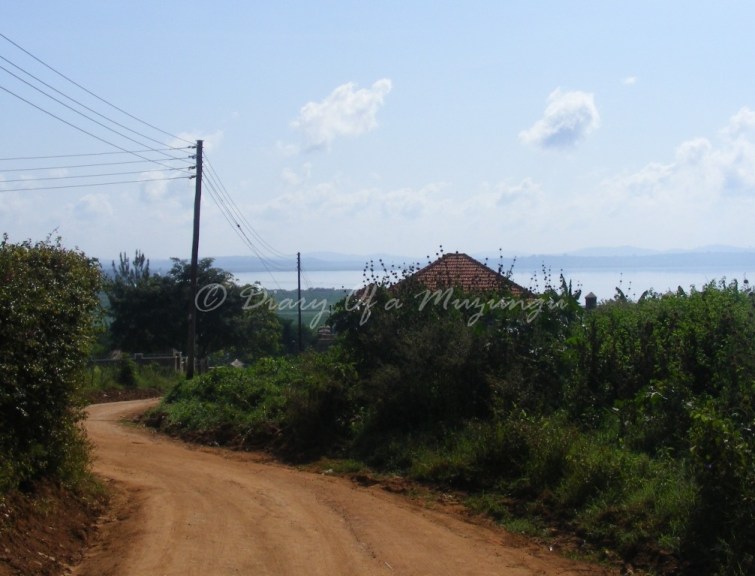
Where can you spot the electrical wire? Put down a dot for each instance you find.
(216, 189)
(35, 189)
(78, 127)
(306, 280)
(222, 204)
(233, 211)
(163, 150)
(241, 217)
(228, 217)
(266, 262)
(72, 166)
(93, 154)
(90, 92)
(106, 127)
(72, 100)
(74, 176)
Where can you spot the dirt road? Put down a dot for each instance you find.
(201, 511)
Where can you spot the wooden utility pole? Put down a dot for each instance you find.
(194, 265)
(298, 294)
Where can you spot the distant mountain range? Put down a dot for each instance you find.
(622, 258)
(634, 251)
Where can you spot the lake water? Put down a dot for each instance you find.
(602, 283)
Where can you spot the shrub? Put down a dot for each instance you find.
(126, 375)
(723, 464)
(48, 305)
(296, 404)
(630, 425)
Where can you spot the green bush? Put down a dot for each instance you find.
(48, 307)
(631, 424)
(722, 530)
(126, 375)
(318, 409)
(296, 404)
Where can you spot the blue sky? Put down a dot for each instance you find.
(386, 127)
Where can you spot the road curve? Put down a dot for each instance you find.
(186, 510)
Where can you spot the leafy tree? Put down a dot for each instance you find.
(48, 318)
(147, 313)
(150, 311)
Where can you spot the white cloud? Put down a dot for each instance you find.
(295, 178)
(568, 118)
(286, 150)
(693, 151)
(629, 81)
(707, 183)
(92, 206)
(290, 177)
(345, 112)
(334, 204)
(210, 142)
(740, 123)
(409, 203)
(154, 187)
(13, 204)
(526, 190)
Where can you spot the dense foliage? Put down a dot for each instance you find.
(150, 312)
(296, 403)
(48, 317)
(630, 425)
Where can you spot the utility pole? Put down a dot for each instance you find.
(194, 266)
(298, 293)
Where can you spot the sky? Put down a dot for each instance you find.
(378, 127)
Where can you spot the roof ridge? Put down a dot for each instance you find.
(464, 271)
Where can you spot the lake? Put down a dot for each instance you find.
(602, 283)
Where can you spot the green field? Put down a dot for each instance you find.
(316, 304)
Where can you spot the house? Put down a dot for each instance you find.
(464, 272)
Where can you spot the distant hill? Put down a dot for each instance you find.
(607, 251)
(622, 258)
(710, 261)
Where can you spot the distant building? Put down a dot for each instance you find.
(464, 272)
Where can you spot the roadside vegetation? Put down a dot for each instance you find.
(125, 379)
(629, 427)
(48, 319)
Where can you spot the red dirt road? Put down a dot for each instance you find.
(200, 511)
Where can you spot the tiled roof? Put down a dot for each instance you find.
(462, 271)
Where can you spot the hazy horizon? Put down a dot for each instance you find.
(381, 127)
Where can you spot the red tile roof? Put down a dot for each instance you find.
(462, 271)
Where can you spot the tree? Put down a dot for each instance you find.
(48, 318)
(144, 307)
(150, 311)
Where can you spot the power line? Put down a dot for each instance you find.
(72, 100)
(223, 202)
(225, 212)
(113, 130)
(219, 194)
(241, 216)
(77, 127)
(236, 219)
(35, 189)
(74, 176)
(230, 218)
(92, 93)
(93, 154)
(71, 166)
